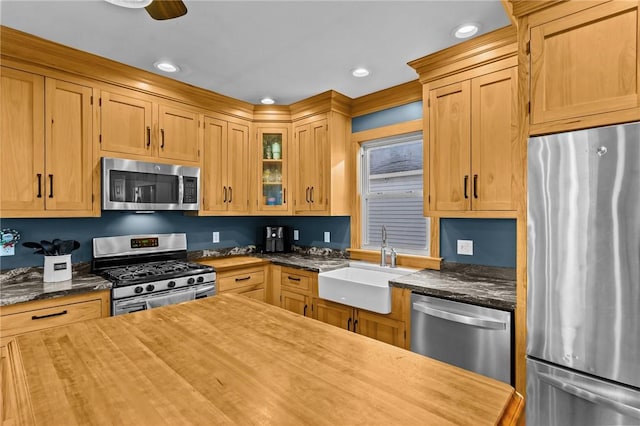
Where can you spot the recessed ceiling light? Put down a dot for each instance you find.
(466, 30)
(133, 4)
(360, 72)
(267, 101)
(166, 66)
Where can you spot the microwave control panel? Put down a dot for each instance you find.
(190, 190)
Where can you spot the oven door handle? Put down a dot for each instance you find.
(205, 289)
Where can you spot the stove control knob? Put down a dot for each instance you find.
(150, 287)
(171, 284)
(191, 281)
(200, 279)
(138, 289)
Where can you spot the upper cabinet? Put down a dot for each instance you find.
(584, 64)
(46, 145)
(135, 125)
(225, 168)
(321, 155)
(472, 155)
(272, 180)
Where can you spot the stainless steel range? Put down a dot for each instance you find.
(148, 271)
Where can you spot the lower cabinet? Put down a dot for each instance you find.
(26, 317)
(377, 326)
(249, 282)
(296, 287)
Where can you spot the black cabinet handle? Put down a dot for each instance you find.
(355, 326)
(284, 192)
(349, 324)
(466, 180)
(57, 314)
(224, 189)
(293, 279)
(307, 194)
(162, 139)
(304, 311)
(39, 185)
(475, 186)
(230, 194)
(243, 279)
(148, 136)
(311, 195)
(50, 186)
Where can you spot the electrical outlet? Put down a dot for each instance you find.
(296, 235)
(216, 237)
(327, 237)
(465, 247)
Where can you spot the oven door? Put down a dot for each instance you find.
(163, 298)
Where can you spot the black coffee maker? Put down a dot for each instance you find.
(276, 239)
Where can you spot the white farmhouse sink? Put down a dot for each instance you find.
(361, 285)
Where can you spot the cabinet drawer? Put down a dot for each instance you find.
(39, 319)
(247, 278)
(257, 294)
(296, 281)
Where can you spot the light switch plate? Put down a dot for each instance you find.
(216, 237)
(296, 235)
(327, 237)
(465, 247)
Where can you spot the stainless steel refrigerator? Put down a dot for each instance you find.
(583, 262)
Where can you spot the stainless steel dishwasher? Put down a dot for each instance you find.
(467, 336)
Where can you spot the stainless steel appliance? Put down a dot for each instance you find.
(148, 271)
(583, 307)
(472, 337)
(276, 239)
(137, 185)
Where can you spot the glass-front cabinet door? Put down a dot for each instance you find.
(273, 144)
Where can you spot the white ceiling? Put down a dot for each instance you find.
(288, 50)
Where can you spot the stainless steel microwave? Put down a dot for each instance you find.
(142, 186)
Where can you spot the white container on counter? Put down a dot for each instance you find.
(57, 268)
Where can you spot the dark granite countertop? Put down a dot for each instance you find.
(25, 284)
(479, 285)
(307, 262)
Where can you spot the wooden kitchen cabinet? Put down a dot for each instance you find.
(249, 282)
(273, 195)
(47, 147)
(321, 155)
(473, 149)
(389, 328)
(296, 288)
(225, 177)
(26, 317)
(139, 126)
(584, 63)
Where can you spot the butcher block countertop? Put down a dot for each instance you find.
(233, 360)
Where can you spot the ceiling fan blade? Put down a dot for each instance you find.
(166, 9)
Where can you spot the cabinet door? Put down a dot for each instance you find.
(69, 153)
(21, 141)
(333, 313)
(449, 147)
(295, 302)
(586, 63)
(126, 124)
(238, 168)
(214, 165)
(178, 134)
(302, 138)
(494, 140)
(381, 328)
(272, 178)
(312, 163)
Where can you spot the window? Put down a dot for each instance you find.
(391, 194)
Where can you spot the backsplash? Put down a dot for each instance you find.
(234, 231)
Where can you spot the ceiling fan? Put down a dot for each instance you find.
(158, 9)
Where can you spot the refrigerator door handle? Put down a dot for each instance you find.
(587, 395)
(462, 319)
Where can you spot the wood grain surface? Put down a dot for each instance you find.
(231, 360)
(226, 263)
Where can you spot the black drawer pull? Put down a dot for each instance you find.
(349, 324)
(50, 186)
(243, 279)
(57, 314)
(466, 181)
(304, 311)
(39, 185)
(355, 326)
(162, 138)
(293, 279)
(475, 186)
(148, 136)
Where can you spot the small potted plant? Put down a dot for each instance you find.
(57, 258)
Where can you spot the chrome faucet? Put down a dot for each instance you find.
(383, 248)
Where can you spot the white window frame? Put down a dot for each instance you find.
(363, 189)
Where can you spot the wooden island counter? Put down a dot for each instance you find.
(232, 360)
